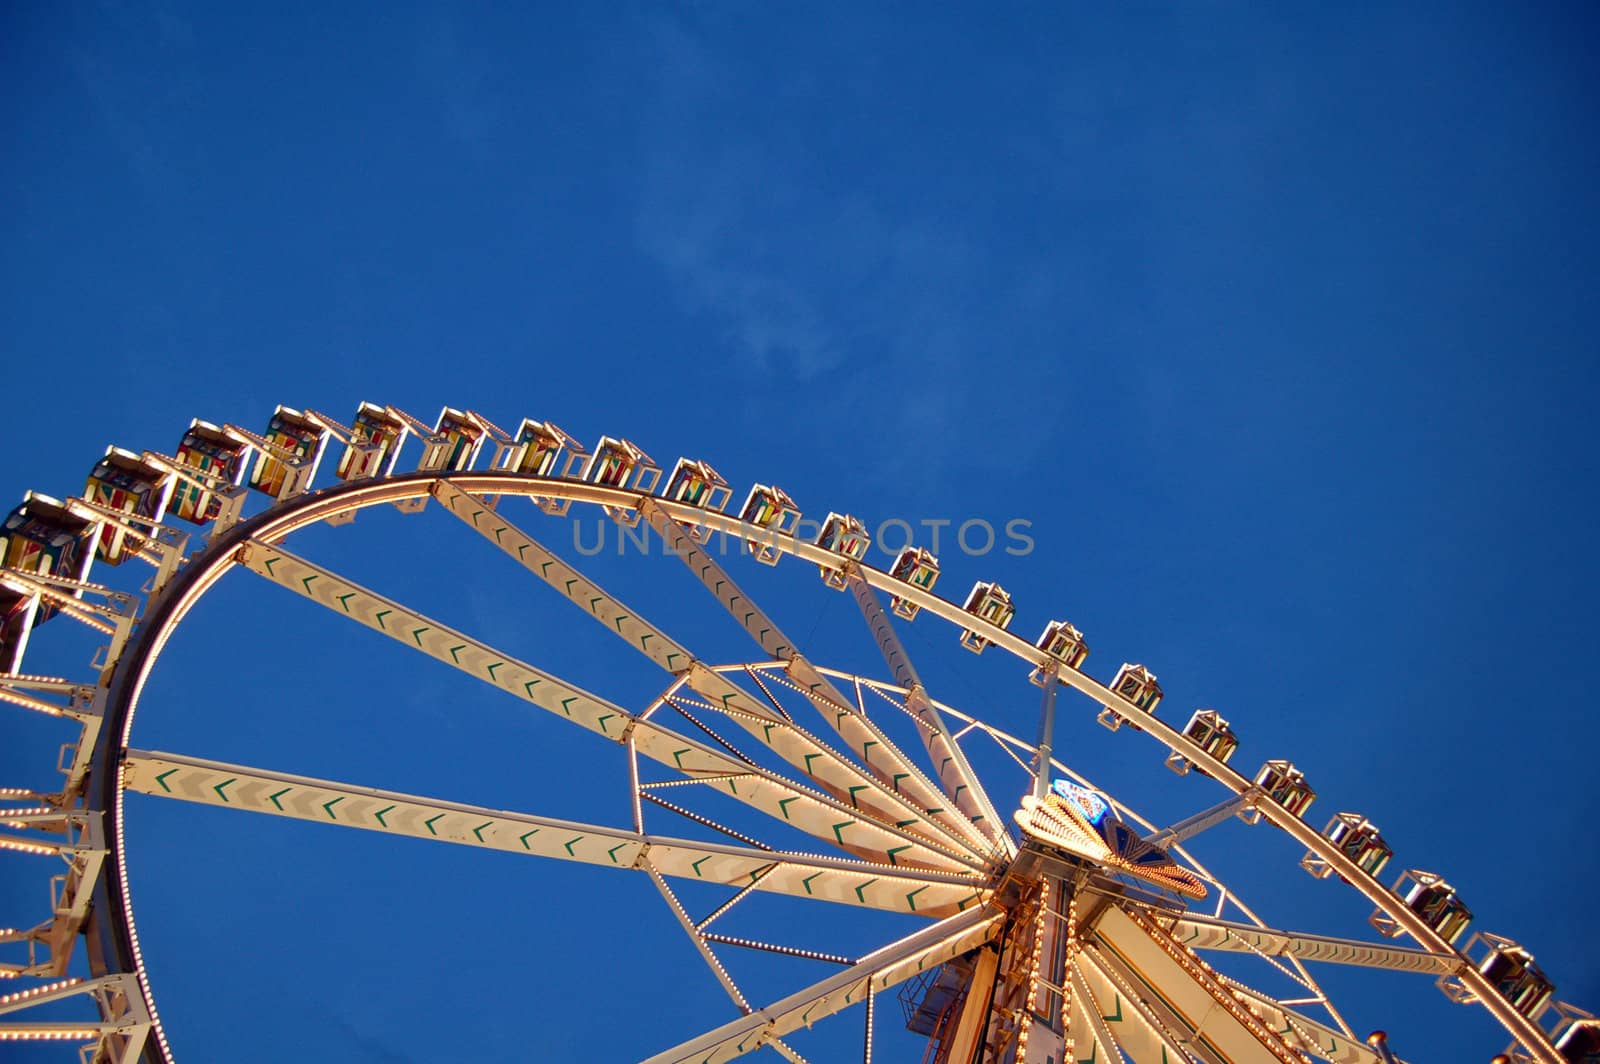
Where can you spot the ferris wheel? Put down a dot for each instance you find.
(1053, 921)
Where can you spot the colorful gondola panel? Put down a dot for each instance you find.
(216, 457)
(457, 439)
(375, 443)
(17, 615)
(290, 433)
(41, 537)
(123, 482)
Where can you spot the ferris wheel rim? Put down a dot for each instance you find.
(116, 941)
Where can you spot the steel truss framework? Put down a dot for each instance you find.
(1043, 953)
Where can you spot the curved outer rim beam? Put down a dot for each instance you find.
(113, 939)
(891, 767)
(827, 767)
(822, 817)
(258, 790)
(889, 966)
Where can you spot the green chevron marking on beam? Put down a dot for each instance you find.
(766, 731)
(898, 776)
(478, 831)
(853, 790)
(1194, 934)
(574, 580)
(747, 617)
(943, 763)
(911, 899)
(736, 598)
(733, 786)
(696, 866)
(497, 533)
(808, 763)
(779, 649)
(528, 687)
(327, 807)
(280, 794)
(1094, 1054)
(417, 634)
(725, 701)
(805, 1017)
(966, 902)
(224, 783)
(838, 830)
(677, 756)
(669, 660)
(455, 652)
(618, 622)
(270, 562)
(162, 779)
(307, 582)
(432, 822)
(862, 898)
(1118, 1017)
(718, 588)
(544, 568)
(897, 849)
(868, 745)
(848, 994)
(806, 882)
(761, 636)
(569, 845)
(592, 604)
(344, 600)
(642, 639)
(521, 547)
(612, 853)
(602, 722)
(566, 705)
(905, 823)
(493, 667)
(936, 809)
(783, 805)
(475, 515)
(379, 616)
(523, 838)
(380, 814)
(957, 792)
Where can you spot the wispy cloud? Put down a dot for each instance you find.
(804, 280)
(455, 72)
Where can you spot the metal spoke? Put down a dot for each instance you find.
(828, 768)
(842, 880)
(817, 814)
(1198, 932)
(884, 968)
(864, 738)
(959, 783)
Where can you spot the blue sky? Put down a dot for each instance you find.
(1277, 324)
